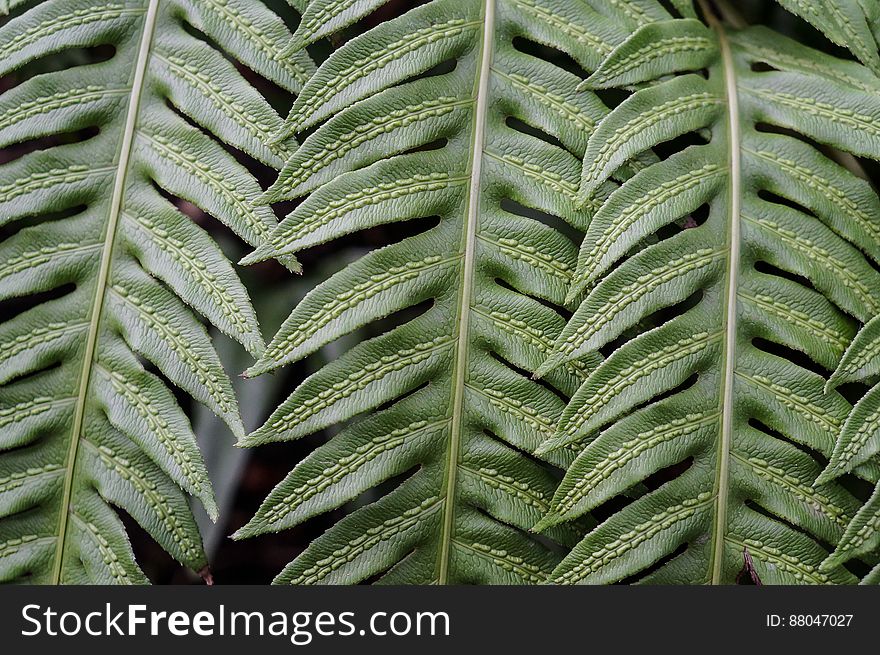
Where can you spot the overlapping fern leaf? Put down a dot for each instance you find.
(110, 276)
(448, 396)
(719, 326)
(858, 443)
(852, 24)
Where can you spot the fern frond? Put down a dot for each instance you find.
(851, 24)
(847, 23)
(112, 276)
(462, 416)
(858, 443)
(781, 259)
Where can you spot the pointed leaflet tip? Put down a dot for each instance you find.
(275, 193)
(549, 445)
(205, 574)
(265, 198)
(209, 503)
(830, 563)
(256, 438)
(258, 368)
(544, 448)
(237, 429)
(213, 513)
(834, 381)
(546, 522)
(246, 442)
(284, 133)
(548, 365)
(587, 189)
(261, 254)
(575, 291)
(250, 529)
(297, 43)
(591, 84)
(833, 470)
(828, 475)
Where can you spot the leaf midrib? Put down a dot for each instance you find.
(722, 473)
(128, 133)
(459, 377)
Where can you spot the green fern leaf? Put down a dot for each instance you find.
(844, 22)
(861, 538)
(780, 259)
(851, 24)
(873, 577)
(858, 443)
(83, 424)
(462, 416)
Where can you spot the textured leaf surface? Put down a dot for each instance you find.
(851, 24)
(744, 309)
(450, 403)
(86, 421)
(845, 22)
(858, 444)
